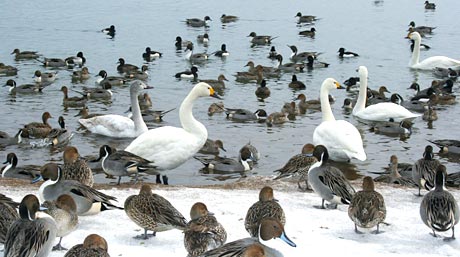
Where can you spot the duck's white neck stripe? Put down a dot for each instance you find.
(7, 167)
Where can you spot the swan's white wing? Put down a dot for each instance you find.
(437, 61)
(341, 138)
(385, 111)
(110, 125)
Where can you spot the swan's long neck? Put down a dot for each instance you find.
(416, 53)
(361, 102)
(188, 122)
(325, 106)
(139, 123)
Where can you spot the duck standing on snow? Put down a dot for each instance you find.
(423, 170)
(93, 246)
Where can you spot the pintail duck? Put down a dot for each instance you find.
(218, 84)
(216, 108)
(256, 75)
(203, 232)
(430, 6)
(243, 115)
(423, 171)
(112, 125)
(222, 52)
(150, 55)
(21, 55)
(153, 212)
(181, 43)
(151, 115)
(347, 105)
(413, 105)
(212, 147)
(305, 104)
(8, 215)
(314, 64)
(97, 93)
(367, 208)
(64, 212)
(254, 153)
(45, 77)
(269, 228)
(93, 246)
(80, 75)
(38, 129)
(260, 40)
(447, 146)
(145, 102)
(54, 63)
(290, 66)
(298, 165)
(308, 33)
(276, 118)
(124, 67)
(60, 136)
(73, 101)
(305, 18)
(395, 177)
(262, 91)
(228, 18)
(203, 39)
(439, 209)
(345, 54)
(109, 31)
(78, 60)
(195, 57)
(76, 168)
(273, 53)
(430, 113)
(111, 80)
(266, 70)
(295, 84)
(328, 181)
(11, 169)
(300, 57)
(33, 233)
(8, 70)
(392, 128)
(266, 207)
(122, 163)
(88, 200)
(22, 89)
(227, 165)
(6, 139)
(420, 29)
(422, 46)
(195, 22)
(188, 74)
(138, 74)
(84, 113)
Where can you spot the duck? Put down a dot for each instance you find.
(45, 77)
(11, 169)
(314, 64)
(367, 208)
(347, 105)
(145, 102)
(169, 147)
(422, 46)
(423, 170)
(273, 53)
(222, 52)
(73, 101)
(8, 215)
(38, 129)
(298, 165)
(256, 75)
(442, 99)
(266, 70)
(380, 111)
(216, 108)
(431, 62)
(380, 93)
(60, 136)
(266, 207)
(305, 104)
(181, 43)
(244, 115)
(110, 31)
(345, 54)
(196, 22)
(262, 91)
(260, 39)
(153, 212)
(295, 84)
(151, 115)
(228, 18)
(76, 168)
(254, 154)
(110, 80)
(413, 105)
(78, 60)
(54, 63)
(445, 73)
(64, 211)
(122, 163)
(305, 18)
(203, 39)
(342, 139)
(22, 55)
(288, 67)
(22, 89)
(195, 57)
(328, 181)
(8, 70)
(203, 232)
(392, 128)
(84, 113)
(218, 84)
(447, 146)
(276, 118)
(112, 125)
(142, 74)
(150, 55)
(89, 201)
(33, 233)
(104, 94)
(270, 228)
(212, 147)
(93, 246)
(430, 113)
(188, 74)
(430, 6)
(300, 57)
(223, 165)
(291, 110)
(308, 33)
(439, 208)
(124, 67)
(394, 177)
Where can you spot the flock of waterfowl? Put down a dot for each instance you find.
(67, 190)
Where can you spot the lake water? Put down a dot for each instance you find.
(374, 29)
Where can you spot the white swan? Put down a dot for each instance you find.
(113, 125)
(430, 62)
(340, 137)
(169, 147)
(380, 111)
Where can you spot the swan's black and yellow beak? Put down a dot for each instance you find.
(338, 86)
(213, 93)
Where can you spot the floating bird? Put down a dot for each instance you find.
(22, 89)
(346, 54)
(262, 91)
(150, 55)
(295, 84)
(22, 55)
(305, 18)
(260, 40)
(188, 74)
(212, 147)
(228, 18)
(38, 129)
(308, 33)
(430, 6)
(124, 67)
(195, 22)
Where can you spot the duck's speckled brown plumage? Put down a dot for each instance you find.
(93, 246)
(8, 215)
(38, 129)
(75, 168)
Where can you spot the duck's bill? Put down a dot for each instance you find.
(287, 240)
(35, 180)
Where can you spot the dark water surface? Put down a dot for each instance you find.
(374, 29)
